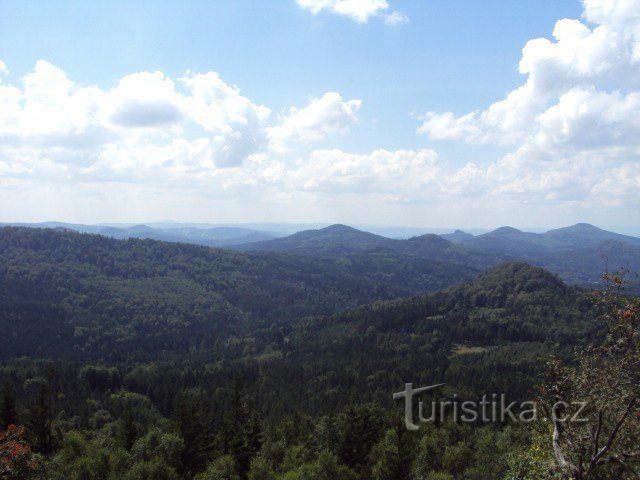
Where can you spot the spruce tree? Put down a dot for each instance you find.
(8, 414)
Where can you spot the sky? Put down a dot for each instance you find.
(429, 113)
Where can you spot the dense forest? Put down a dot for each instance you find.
(91, 296)
(579, 253)
(140, 359)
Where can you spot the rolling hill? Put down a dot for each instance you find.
(509, 241)
(580, 254)
(340, 240)
(89, 295)
(488, 334)
(207, 236)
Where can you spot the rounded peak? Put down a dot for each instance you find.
(584, 227)
(504, 231)
(430, 238)
(140, 227)
(511, 274)
(578, 228)
(339, 228)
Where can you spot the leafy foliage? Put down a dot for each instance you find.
(181, 362)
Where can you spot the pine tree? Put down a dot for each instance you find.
(8, 414)
(241, 429)
(195, 421)
(388, 461)
(39, 422)
(128, 430)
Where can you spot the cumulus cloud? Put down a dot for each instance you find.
(49, 104)
(603, 59)
(237, 124)
(571, 130)
(51, 113)
(189, 126)
(145, 99)
(401, 172)
(323, 116)
(357, 10)
(446, 126)
(574, 124)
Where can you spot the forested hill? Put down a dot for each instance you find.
(71, 295)
(340, 240)
(513, 302)
(579, 254)
(491, 334)
(76, 296)
(205, 235)
(281, 392)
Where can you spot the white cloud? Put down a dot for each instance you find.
(396, 18)
(357, 10)
(148, 126)
(216, 106)
(52, 113)
(237, 124)
(145, 99)
(323, 116)
(48, 107)
(446, 126)
(3, 68)
(572, 130)
(606, 57)
(574, 124)
(403, 172)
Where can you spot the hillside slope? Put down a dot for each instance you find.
(207, 236)
(70, 295)
(488, 335)
(340, 240)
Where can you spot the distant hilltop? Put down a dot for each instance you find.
(579, 254)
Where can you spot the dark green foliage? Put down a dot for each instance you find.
(8, 413)
(195, 424)
(222, 468)
(79, 296)
(579, 254)
(207, 364)
(39, 421)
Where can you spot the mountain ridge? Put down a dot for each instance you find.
(91, 286)
(580, 253)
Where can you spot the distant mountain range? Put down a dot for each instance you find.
(508, 240)
(341, 240)
(218, 236)
(580, 254)
(89, 294)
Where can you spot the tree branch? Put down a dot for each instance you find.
(596, 441)
(614, 433)
(562, 460)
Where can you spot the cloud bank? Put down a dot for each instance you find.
(359, 11)
(574, 124)
(571, 130)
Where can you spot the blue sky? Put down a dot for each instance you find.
(324, 110)
(457, 56)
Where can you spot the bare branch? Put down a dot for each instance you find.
(596, 441)
(614, 433)
(557, 450)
